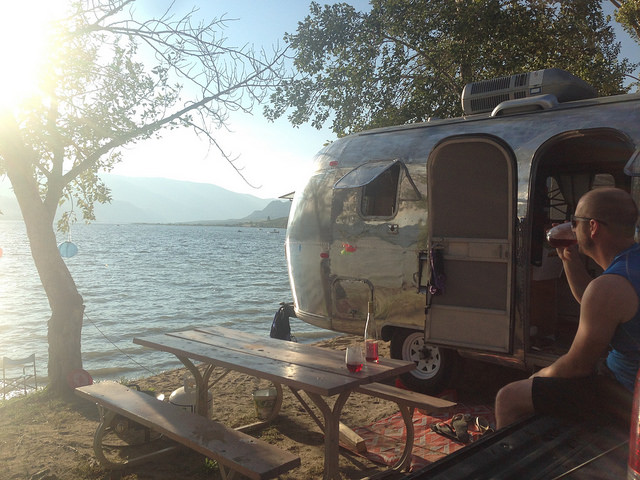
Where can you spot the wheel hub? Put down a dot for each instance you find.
(426, 353)
(426, 357)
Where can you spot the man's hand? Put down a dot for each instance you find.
(575, 270)
(569, 254)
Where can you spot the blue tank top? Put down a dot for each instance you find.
(624, 358)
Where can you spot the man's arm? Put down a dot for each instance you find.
(607, 301)
(575, 270)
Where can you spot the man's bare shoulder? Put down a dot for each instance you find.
(614, 294)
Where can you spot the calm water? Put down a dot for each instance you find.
(143, 279)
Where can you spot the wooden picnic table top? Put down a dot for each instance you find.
(320, 372)
(300, 366)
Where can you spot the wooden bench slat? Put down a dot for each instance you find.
(405, 397)
(240, 452)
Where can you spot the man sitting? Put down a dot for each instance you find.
(604, 223)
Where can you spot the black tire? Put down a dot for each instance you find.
(434, 365)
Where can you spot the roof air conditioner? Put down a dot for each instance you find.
(484, 96)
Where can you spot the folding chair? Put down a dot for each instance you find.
(25, 380)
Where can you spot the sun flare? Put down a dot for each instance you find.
(23, 47)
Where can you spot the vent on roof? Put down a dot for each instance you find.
(492, 85)
(485, 95)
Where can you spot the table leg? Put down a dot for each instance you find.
(202, 383)
(307, 408)
(404, 462)
(405, 459)
(331, 431)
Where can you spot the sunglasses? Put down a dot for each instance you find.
(575, 220)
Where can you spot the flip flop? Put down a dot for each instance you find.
(445, 430)
(460, 423)
(483, 425)
(462, 416)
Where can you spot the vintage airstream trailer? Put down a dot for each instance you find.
(442, 224)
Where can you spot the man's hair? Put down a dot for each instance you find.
(613, 206)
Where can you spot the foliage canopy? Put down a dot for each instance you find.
(628, 15)
(404, 62)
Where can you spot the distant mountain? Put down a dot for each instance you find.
(274, 215)
(276, 209)
(161, 200)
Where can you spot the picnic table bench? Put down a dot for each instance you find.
(233, 450)
(406, 398)
(407, 402)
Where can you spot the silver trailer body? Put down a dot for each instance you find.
(478, 191)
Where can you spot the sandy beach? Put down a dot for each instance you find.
(44, 439)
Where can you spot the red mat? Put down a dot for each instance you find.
(385, 438)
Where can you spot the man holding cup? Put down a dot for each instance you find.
(604, 224)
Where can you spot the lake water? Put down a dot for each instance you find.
(144, 279)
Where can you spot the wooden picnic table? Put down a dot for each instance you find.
(318, 372)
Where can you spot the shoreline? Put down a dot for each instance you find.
(120, 373)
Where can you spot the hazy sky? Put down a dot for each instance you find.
(273, 155)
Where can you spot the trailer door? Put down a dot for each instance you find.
(471, 219)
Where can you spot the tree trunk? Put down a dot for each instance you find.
(64, 335)
(65, 324)
(67, 309)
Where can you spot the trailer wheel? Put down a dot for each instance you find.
(434, 365)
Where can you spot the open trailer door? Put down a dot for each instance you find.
(471, 220)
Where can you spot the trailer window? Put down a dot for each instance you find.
(379, 182)
(379, 197)
(365, 174)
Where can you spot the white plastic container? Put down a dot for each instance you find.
(264, 401)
